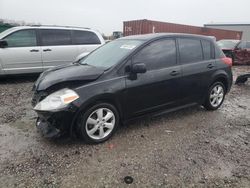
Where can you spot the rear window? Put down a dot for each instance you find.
(190, 50)
(55, 37)
(85, 37)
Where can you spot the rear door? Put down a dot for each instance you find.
(198, 64)
(159, 87)
(57, 47)
(22, 55)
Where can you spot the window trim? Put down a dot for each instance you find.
(36, 34)
(159, 39)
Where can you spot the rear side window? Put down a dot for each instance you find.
(23, 38)
(190, 50)
(55, 37)
(218, 52)
(85, 37)
(158, 54)
(207, 49)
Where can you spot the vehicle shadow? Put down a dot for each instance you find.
(15, 79)
(134, 125)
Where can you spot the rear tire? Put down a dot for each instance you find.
(98, 123)
(215, 96)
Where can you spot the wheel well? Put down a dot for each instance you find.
(89, 105)
(222, 80)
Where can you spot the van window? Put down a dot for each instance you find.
(55, 37)
(207, 52)
(23, 38)
(158, 54)
(190, 50)
(85, 37)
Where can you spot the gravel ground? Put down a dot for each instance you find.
(188, 148)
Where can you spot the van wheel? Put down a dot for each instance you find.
(98, 123)
(215, 96)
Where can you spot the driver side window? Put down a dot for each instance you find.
(157, 55)
(23, 38)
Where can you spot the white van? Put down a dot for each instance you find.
(33, 49)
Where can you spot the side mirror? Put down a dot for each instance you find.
(138, 68)
(3, 43)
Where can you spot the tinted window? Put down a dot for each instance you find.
(54, 37)
(218, 52)
(85, 37)
(22, 38)
(158, 54)
(190, 50)
(206, 46)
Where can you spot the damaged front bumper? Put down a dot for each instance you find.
(54, 124)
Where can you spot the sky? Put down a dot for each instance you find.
(107, 16)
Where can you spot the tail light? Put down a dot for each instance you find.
(227, 61)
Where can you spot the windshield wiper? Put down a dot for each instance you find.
(86, 64)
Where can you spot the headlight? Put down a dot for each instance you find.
(57, 100)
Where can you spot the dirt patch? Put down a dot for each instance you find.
(188, 148)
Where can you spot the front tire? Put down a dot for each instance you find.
(98, 123)
(215, 96)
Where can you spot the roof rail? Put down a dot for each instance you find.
(58, 26)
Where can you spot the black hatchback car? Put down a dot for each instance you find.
(129, 78)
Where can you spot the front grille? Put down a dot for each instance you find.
(37, 97)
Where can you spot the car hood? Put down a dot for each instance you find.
(67, 73)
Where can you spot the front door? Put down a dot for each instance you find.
(22, 55)
(159, 87)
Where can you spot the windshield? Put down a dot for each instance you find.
(228, 44)
(111, 53)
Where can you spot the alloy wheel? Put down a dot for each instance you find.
(100, 123)
(216, 95)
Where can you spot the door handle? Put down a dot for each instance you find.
(47, 50)
(174, 73)
(210, 66)
(34, 50)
